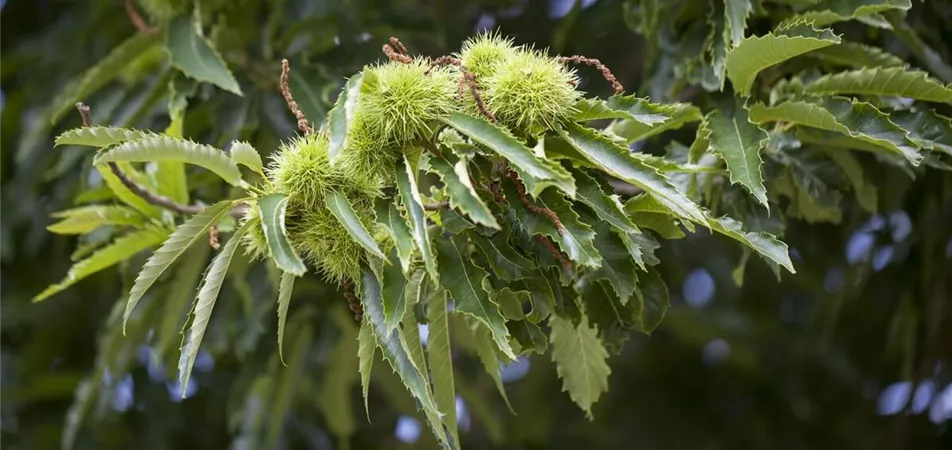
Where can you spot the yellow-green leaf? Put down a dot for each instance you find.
(243, 153)
(410, 195)
(341, 208)
(272, 210)
(84, 219)
(441, 362)
(462, 195)
(166, 148)
(285, 287)
(100, 136)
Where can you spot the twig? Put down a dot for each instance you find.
(606, 72)
(436, 206)
(137, 19)
(398, 45)
(394, 55)
(556, 253)
(532, 207)
(348, 289)
(302, 122)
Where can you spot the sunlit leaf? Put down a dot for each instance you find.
(739, 142)
(100, 136)
(341, 114)
(272, 210)
(340, 206)
(462, 195)
(441, 361)
(389, 217)
(165, 148)
(410, 195)
(243, 153)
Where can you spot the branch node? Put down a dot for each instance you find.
(302, 122)
(606, 72)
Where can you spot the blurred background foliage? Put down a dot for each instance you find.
(854, 351)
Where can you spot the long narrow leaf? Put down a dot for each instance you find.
(272, 209)
(338, 205)
(165, 148)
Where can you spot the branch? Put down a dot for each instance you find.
(606, 72)
(302, 122)
(137, 19)
(436, 206)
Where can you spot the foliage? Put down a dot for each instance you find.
(497, 194)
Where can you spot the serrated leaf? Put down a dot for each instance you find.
(486, 350)
(366, 348)
(441, 362)
(195, 56)
(580, 360)
(633, 130)
(285, 288)
(542, 172)
(164, 148)
(243, 153)
(623, 107)
(411, 336)
(617, 161)
(340, 206)
(853, 118)
(853, 54)
(205, 303)
(606, 207)
(100, 136)
(177, 300)
(407, 186)
(757, 53)
(464, 282)
(618, 268)
(504, 260)
(926, 128)
(119, 250)
(84, 219)
(393, 289)
(389, 217)
(180, 240)
(613, 319)
(641, 247)
(833, 11)
(340, 375)
(272, 210)
(395, 353)
(102, 73)
(885, 81)
(340, 115)
(653, 296)
(646, 212)
(736, 12)
(121, 192)
(462, 195)
(739, 142)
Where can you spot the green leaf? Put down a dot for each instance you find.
(852, 118)
(366, 347)
(394, 351)
(195, 56)
(926, 128)
(618, 267)
(653, 295)
(464, 281)
(393, 289)
(613, 319)
(633, 130)
(125, 195)
(180, 240)
(272, 209)
(617, 161)
(285, 288)
(441, 362)
(389, 217)
(84, 219)
(243, 153)
(739, 142)
(165, 148)
(833, 11)
(178, 300)
(204, 303)
(100, 136)
(580, 361)
(623, 107)
(101, 74)
(606, 207)
(641, 247)
(340, 375)
(338, 205)
(541, 171)
(407, 186)
(852, 54)
(462, 195)
(736, 12)
(411, 333)
(504, 260)
(738, 273)
(486, 350)
(119, 250)
(340, 115)
(885, 81)
(757, 53)
(648, 213)
(764, 243)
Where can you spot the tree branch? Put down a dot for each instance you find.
(137, 19)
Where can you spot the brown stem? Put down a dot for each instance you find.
(606, 72)
(533, 207)
(137, 19)
(302, 122)
(348, 290)
(556, 253)
(398, 45)
(436, 206)
(394, 55)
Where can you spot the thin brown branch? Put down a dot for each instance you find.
(556, 253)
(470, 80)
(302, 122)
(436, 206)
(532, 206)
(353, 303)
(398, 45)
(606, 72)
(137, 20)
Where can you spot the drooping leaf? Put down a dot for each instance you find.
(464, 282)
(618, 268)
(653, 296)
(633, 130)
(756, 53)
(285, 288)
(195, 56)
(853, 118)
(607, 207)
(462, 195)
(411, 336)
(341, 114)
(623, 107)
(617, 161)
(165, 148)
(393, 290)
(180, 240)
(580, 360)
(486, 350)
(885, 81)
(204, 304)
(338, 205)
(84, 219)
(102, 73)
(272, 210)
(739, 142)
(178, 300)
(441, 361)
(410, 195)
(541, 171)
(119, 250)
(528, 337)
(366, 348)
(243, 153)
(120, 191)
(504, 260)
(926, 128)
(389, 217)
(100, 136)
